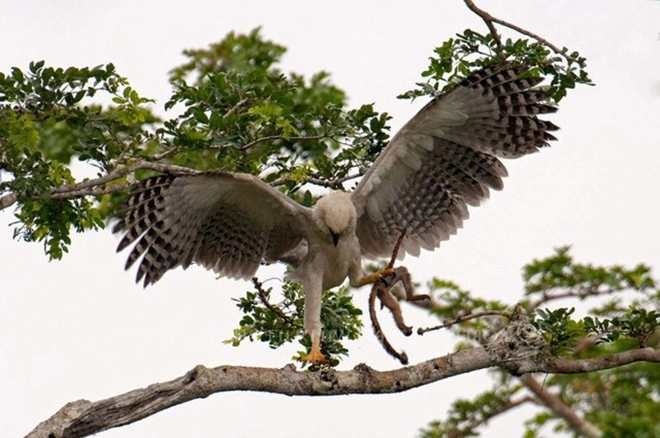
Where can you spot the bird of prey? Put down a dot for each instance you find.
(443, 160)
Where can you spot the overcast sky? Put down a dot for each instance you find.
(81, 328)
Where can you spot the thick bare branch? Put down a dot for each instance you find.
(83, 418)
(577, 366)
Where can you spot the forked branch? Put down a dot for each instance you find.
(490, 20)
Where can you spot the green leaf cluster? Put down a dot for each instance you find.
(241, 113)
(282, 322)
(236, 111)
(457, 57)
(46, 119)
(619, 402)
(465, 415)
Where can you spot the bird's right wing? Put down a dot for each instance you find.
(446, 158)
(223, 221)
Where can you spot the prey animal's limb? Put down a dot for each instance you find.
(399, 275)
(387, 271)
(377, 291)
(381, 290)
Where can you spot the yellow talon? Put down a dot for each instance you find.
(315, 357)
(376, 276)
(386, 272)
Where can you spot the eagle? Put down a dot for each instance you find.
(444, 159)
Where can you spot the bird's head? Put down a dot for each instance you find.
(335, 214)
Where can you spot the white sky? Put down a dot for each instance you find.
(81, 328)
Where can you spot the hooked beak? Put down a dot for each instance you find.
(335, 237)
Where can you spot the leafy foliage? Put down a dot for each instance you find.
(466, 415)
(44, 124)
(625, 321)
(238, 113)
(457, 57)
(280, 323)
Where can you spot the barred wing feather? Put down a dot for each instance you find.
(446, 158)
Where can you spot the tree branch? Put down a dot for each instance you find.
(8, 200)
(489, 20)
(84, 418)
(247, 146)
(264, 300)
(334, 183)
(561, 409)
(579, 292)
(469, 429)
(463, 318)
(97, 186)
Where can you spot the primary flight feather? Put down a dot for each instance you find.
(442, 161)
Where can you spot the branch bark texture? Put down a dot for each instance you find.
(83, 418)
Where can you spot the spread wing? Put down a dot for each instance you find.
(223, 221)
(445, 158)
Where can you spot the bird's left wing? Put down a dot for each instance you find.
(227, 222)
(445, 158)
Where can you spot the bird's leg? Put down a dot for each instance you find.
(312, 321)
(315, 357)
(375, 277)
(387, 271)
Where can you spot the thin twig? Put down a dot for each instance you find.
(247, 146)
(239, 105)
(331, 184)
(381, 290)
(489, 20)
(264, 300)
(463, 318)
(580, 294)
(469, 429)
(165, 154)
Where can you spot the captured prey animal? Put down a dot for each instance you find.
(443, 160)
